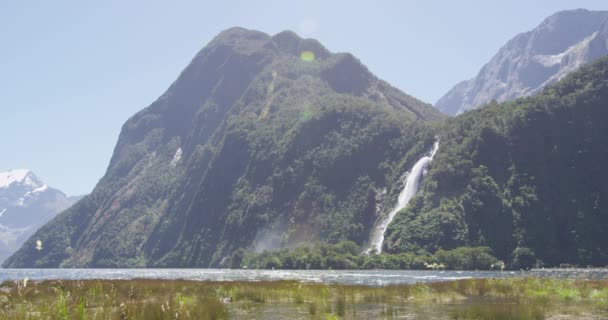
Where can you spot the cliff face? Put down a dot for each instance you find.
(526, 64)
(261, 142)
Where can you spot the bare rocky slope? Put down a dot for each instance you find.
(532, 60)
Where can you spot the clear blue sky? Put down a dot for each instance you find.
(71, 72)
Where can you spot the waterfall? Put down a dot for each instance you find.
(411, 187)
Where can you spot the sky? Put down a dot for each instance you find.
(72, 72)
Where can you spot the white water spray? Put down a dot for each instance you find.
(411, 187)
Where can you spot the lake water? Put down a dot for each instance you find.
(355, 277)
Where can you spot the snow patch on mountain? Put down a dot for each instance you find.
(27, 204)
(42, 188)
(21, 176)
(177, 157)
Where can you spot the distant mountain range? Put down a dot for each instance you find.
(532, 60)
(26, 203)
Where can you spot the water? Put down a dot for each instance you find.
(411, 187)
(349, 277)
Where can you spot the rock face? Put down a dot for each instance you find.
(559, 45)
(253, 146)
(26, 203)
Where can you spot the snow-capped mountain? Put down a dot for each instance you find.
(26, 203)
(561, 44)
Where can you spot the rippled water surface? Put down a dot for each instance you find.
(358, 277)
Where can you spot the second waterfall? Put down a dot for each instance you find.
(411, 187)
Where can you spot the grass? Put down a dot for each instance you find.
(520, 298)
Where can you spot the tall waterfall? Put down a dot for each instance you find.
(411, 187)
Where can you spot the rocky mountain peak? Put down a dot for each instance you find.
(21, 177)
(26, 203)
(240, 39)
(348, 75)
(532, 60)
(563, 29)
(289, 42)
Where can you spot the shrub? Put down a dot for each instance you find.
(466, 258)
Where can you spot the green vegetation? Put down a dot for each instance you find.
(275, 151)
(526, 178)
(524, 298)
(347, 255)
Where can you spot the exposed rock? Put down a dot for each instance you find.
(532, 60)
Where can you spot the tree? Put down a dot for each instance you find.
(523, 258)
(236, 260)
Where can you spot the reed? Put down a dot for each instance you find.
(519, 298)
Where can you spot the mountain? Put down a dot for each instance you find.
(262, 142)
(532, 60)
(270, 142)
(526, 178)
(26, 203)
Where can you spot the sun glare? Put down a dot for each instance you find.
(307, 56)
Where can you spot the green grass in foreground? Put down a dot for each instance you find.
(522, 298)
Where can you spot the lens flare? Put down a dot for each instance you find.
(307, 56)
(306, 113)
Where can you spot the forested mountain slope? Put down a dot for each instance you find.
(523, 177)
(261, 145)
(262, 142)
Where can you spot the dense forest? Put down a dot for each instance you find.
(347, 255)
(527, 176)
(523, 181)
